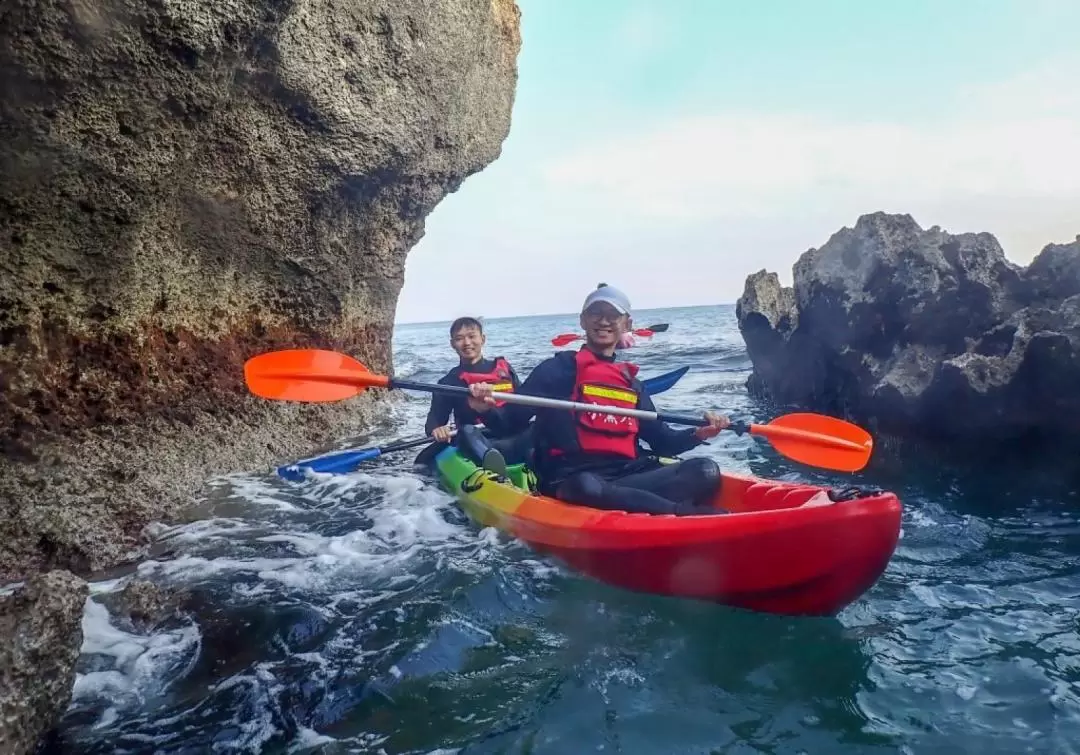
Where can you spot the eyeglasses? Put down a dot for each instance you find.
(603, 313)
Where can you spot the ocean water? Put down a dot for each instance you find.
(364, 613)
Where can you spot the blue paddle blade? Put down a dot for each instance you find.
(661, 383)
(335, 463)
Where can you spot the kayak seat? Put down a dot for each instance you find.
(521, 477)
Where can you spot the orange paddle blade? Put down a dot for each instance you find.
(564, 338)
(819, 440)
(313, 375)
(643, 332)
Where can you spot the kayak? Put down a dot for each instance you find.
(784, 548)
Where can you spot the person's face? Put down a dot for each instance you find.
(603, 325)
(468, 342)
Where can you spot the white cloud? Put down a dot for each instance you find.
(1016, 139)
(681, 213)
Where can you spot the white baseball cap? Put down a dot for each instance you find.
(611, 295)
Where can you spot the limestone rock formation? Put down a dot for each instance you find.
(184, 185)
(40, 623)
(143, 606)
(922, 333)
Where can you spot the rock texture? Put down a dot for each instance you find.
(41, 626)
(143, 606)
(187, 184)
(184, 185)
(922, 333)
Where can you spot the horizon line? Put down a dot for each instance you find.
(485, 318)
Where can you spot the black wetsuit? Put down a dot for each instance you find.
(609, 482)
(515, 449)
(443, 405)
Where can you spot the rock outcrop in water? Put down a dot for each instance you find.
(922, 333)
(184, 185)
(40, 624)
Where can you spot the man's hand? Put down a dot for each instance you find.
(717, 422)
(442, 434)
(480, 399)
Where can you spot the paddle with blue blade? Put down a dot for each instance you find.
(667, 381)
(341, 462)
(317, 375)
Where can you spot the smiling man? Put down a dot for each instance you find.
(591, 458)
(467, 339)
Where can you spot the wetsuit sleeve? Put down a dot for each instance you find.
(441, 406)
(511, 419)
(662, 439)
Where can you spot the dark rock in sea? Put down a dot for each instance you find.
(186, 185)
(922, 334)
(40, 623)
(143, 606)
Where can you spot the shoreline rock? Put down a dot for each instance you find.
(41, 623)
(183, 186)
(921, 333)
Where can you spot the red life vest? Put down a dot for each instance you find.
(605, 384)
(500, 377)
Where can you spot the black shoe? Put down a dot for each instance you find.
(494, 462)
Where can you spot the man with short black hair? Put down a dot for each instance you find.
(467, 339)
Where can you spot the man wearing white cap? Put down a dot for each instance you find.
(626, 340)
(594, 459)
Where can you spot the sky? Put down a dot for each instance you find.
(672, 147)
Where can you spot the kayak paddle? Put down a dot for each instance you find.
(316, 375)
(343, 461)
(564, 338)
(661, 383)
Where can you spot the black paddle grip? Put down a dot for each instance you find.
(682, 419)
(685, 419)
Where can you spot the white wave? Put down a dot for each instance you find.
(403, 522)
(130, 668)
(307, 739)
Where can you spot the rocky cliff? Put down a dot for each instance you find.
(922, 333)
(184, 185)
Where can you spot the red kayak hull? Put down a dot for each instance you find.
(774, 552)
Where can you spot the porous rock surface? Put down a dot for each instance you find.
(40, 623)
(185, 184)
(922, 333)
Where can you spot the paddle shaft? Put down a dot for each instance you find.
(318, 375)
(406, 444)
(554, 403)
(676, 419)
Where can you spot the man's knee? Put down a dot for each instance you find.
(472, 442)
(703, 468)
(585, 487)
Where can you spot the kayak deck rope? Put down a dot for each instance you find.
(476, 480)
